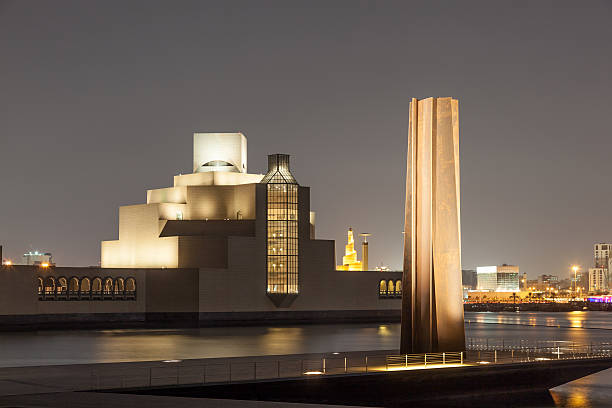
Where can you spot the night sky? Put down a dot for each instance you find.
(99, 100)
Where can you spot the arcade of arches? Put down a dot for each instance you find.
(85, 288)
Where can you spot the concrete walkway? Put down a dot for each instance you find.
(90, 377)
(72, 385)
(105, 400)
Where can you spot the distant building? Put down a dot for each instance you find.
(565, 284)
(523, 283)
(37, 258)
(533, 284)
(349, 260)
(598, 280)
(500, 278)
(601, 255)
(474, 296)
(486, 278)
(549, 282)
(468, 279)
(581, 280)
(543, 283)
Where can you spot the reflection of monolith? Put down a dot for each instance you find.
(432, 308)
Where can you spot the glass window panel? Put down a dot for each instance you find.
(282, 227)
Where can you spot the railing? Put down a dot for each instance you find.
(193, 372)
(497, 350)
(176, 372)
(536, 344)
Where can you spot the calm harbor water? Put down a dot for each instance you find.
(93, 346)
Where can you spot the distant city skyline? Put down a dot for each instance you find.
(100, 100)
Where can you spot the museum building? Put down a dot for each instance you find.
(220, 246)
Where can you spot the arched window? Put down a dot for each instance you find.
(62, 286)
(119, 286)
(85, 287)
(398, 288)
(49, 285)
(390, 288)
(73, 286)
(130, 286)
(108, 286)
(382, 291)
(96, 286)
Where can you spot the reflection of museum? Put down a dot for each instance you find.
(219, 245)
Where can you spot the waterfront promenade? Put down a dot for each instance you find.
(152, 374)
(556, 364)
(134, 358)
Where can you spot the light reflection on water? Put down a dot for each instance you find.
(574, 319)
(594, 391)
(587, 392)
(97, 346)
(70, 347)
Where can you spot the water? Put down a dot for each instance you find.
(98, 346)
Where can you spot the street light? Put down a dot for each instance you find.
(575, 269)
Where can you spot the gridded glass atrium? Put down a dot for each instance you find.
(282, 227)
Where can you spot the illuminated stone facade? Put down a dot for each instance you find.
(187, 225)
(216, 248)
(224, 152)
(432, 309)
(251, 239)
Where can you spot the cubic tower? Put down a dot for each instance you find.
(432, 308)
(219, 152)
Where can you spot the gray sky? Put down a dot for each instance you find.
(98, 102)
